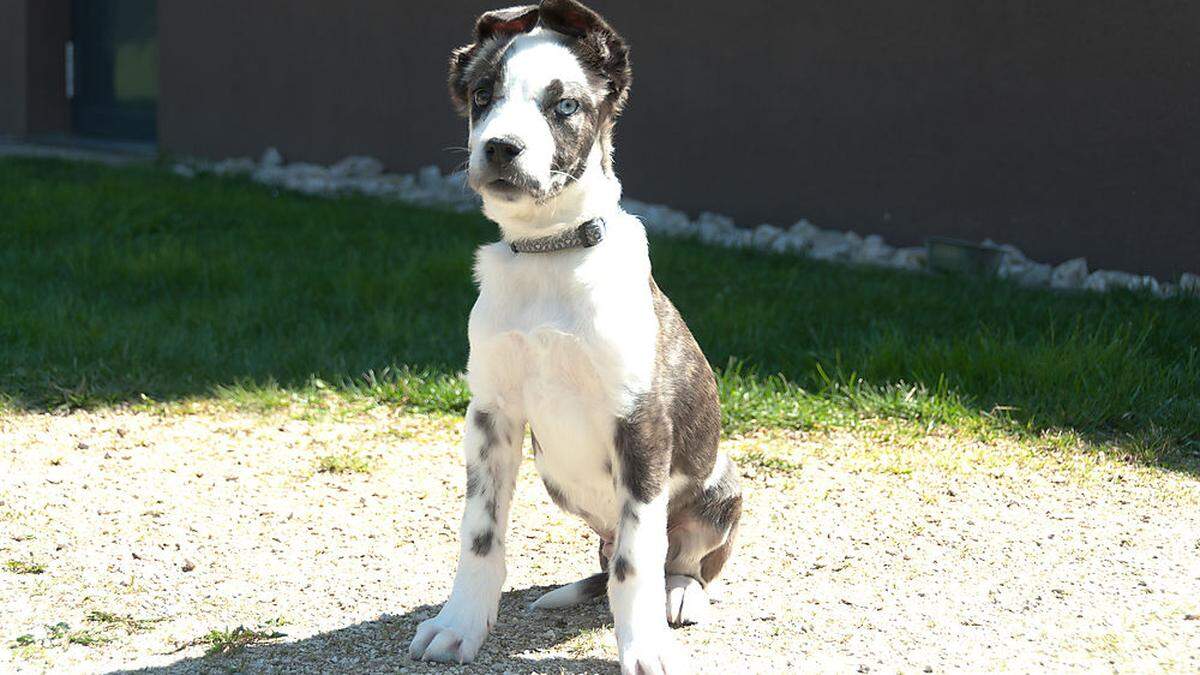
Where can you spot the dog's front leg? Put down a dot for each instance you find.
(636, 577)
(493, 451)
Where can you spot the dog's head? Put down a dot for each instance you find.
(541, 86)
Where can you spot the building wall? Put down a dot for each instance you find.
(49, 30)
(12, 67)
(1065, 128)
(33, 35)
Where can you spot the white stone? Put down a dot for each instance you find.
(1147, 283)
(910, 258)
(737, 238)
(1099, 281)
(1106, 280)
(306, 169)
(714, 228)
(429, 187)
(271, 158)
(457, 180)
(269, 175)
(357, 167)
(874, 251)
(723, 222)
(633, 206)
(1025, 272)
(804, 229)
(831, 245)
(666, 220)
(1070, 274)
(710, 232)
(765, 234)
(234, 167)
(315, 185)
(429, 177)
(677, 221)
(1189, 284)
(1036, 274)
(789, 243)
(1012, 252)
(1109, 280)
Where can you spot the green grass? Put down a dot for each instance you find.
(132, 285)
(346, 462)
(23, 567)
(122, 621)
(226, 641)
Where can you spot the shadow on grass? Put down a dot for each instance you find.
(382, 646)
(124, 285)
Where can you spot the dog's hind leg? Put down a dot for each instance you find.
(701, 535)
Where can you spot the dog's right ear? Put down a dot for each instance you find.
(498, 24)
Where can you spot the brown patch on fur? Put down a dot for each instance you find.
(686, 383)
(643, 445)
(482, 544)
(621, 569)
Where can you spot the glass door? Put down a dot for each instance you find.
(115, 82)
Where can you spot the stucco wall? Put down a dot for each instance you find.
(46, 100)
(12, 67)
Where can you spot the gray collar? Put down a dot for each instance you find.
(586, 235)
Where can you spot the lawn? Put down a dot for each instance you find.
(134, 286)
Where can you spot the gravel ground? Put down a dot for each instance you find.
(150, 531)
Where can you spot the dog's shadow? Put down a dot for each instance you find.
(517, 643)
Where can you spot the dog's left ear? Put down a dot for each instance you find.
(600, 48)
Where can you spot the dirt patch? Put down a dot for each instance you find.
(145, 541)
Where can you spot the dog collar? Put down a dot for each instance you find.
(586, 235)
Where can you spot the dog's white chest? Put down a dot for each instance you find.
(567, 343)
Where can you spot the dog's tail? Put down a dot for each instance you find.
(573, 594)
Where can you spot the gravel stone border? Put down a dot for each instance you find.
(429, 187)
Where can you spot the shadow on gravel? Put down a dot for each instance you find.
(381, 646)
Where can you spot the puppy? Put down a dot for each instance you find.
(572, 337)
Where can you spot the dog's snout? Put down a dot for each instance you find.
(502, 151)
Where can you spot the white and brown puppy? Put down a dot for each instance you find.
(571, 336)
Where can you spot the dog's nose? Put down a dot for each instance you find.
(502, 151)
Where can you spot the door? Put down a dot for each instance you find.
(115, 73)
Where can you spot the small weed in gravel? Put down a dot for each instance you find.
(22, 567)
(232, 641)
(130, 624)
(87, 638)
(60, 634)
(26, 640)
(756, 458)
(346, 462)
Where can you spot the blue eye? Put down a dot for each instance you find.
(567, 107)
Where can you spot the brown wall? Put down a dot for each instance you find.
(49, 30)
(33, 35)
(1065, 128)
(12, 67)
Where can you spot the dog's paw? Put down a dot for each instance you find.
(453, 636)
(686, 600)
(656, 654)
